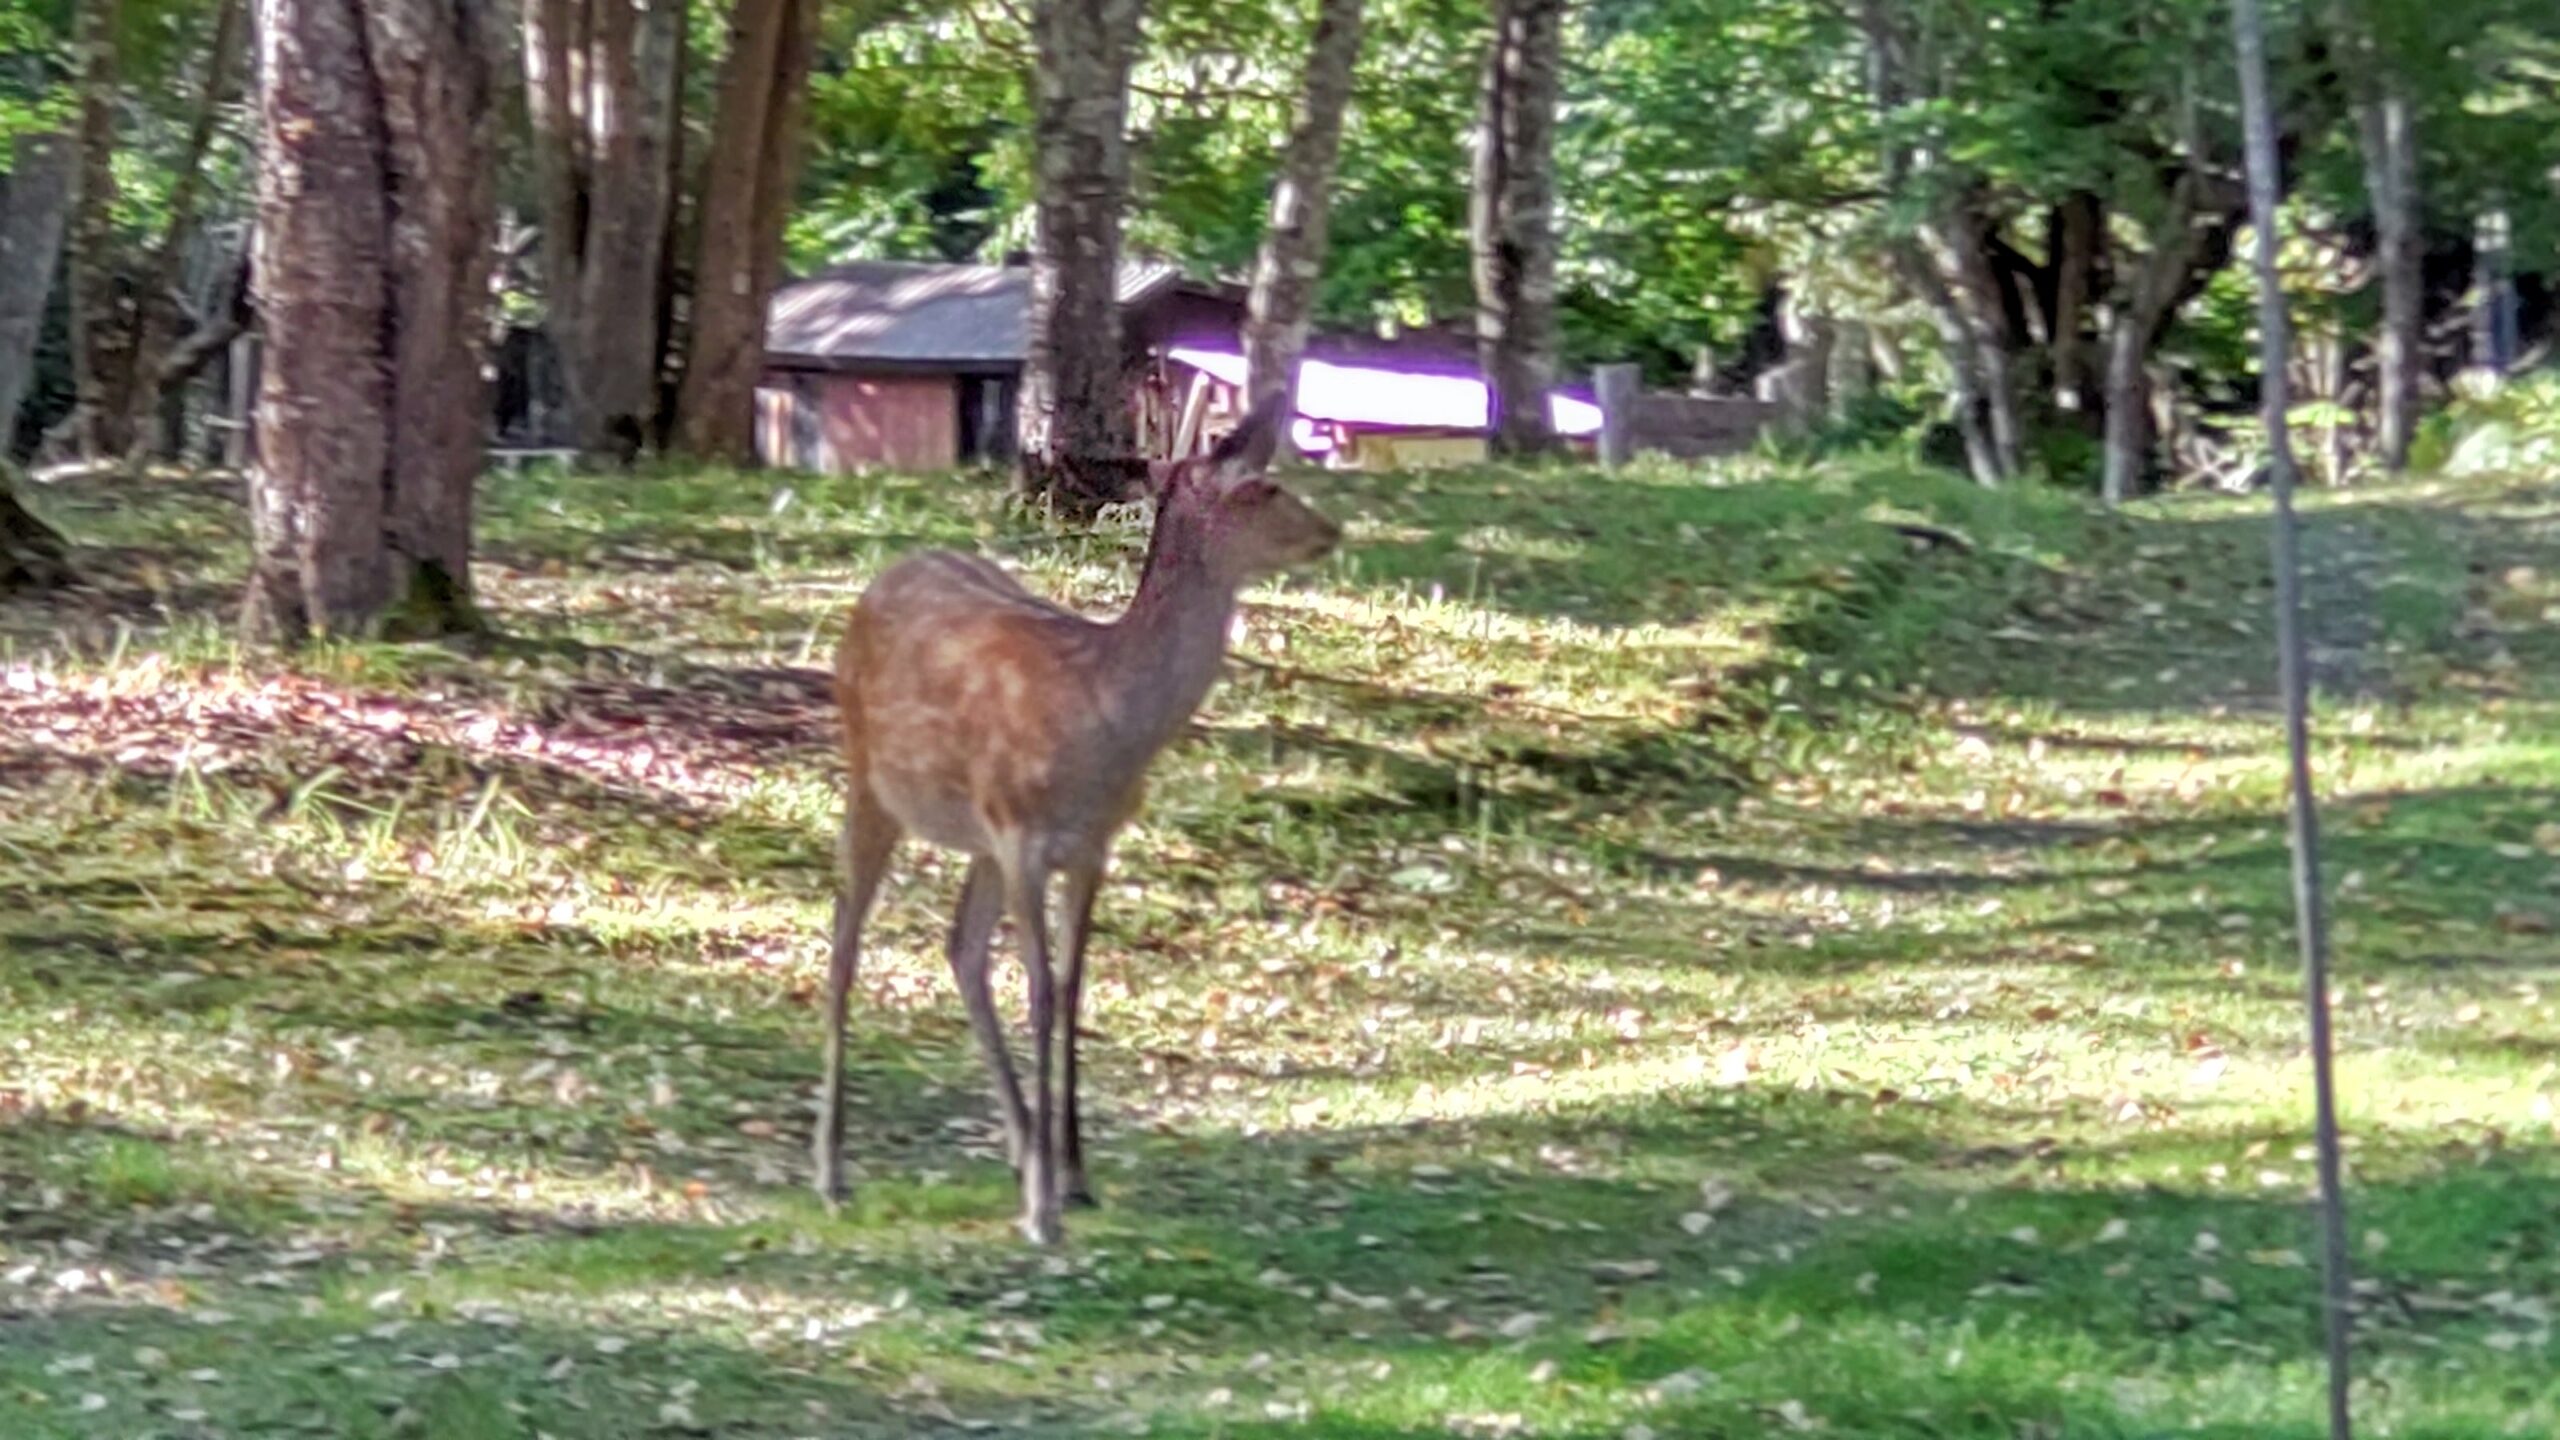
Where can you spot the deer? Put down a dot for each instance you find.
(984, 719)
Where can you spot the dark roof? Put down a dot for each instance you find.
(902, 313)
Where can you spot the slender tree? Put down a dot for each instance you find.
(601, 87)
(1291, 259)
(750, 176)
(1075, 420)
(1512, 220)
(2386, 135)
(149, 353)
(2275, 338)
(94, 317)
(372, 280)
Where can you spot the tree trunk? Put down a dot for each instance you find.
(37, 202)
(2391, 177)
(372, 277)
(2191, 244)
(1077, 434)
(94, 317)
(1945, 264)
(601, 89)
(672, 254)
(2128, 409)
(1293, 248)
(137, 372)
(33, 555)
(2385, 134)
(1513, 221)
(2079, 230)
(749, 178)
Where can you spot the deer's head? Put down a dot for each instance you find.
(1231, 515)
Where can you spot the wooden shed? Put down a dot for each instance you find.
(899, 365)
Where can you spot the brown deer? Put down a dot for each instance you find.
(982, 718)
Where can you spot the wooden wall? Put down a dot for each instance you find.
(840, 422)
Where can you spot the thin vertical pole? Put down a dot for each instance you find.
(2258, 122)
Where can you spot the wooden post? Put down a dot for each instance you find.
(1195, 413)
(1615, 387)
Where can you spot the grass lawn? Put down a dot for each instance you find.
(1658, 954)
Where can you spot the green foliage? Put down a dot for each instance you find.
(2493, 428)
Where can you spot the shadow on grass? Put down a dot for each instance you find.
(1962, 1279)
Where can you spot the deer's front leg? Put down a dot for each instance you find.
(1075, 911)
(973, 930)
(1040, 1211)
(863, 847)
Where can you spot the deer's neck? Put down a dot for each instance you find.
(1168, 645)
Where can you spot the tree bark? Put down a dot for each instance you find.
(2387, 131)
(33, 555)
(1945, 263)
(2079, 230)
(1512, 220)
(1291, 261)
(1076, 430)
(749, 178)
(601, 87)
(142, 362)
(37, 202)
(2386, 137)
(94, 313)
(372, 276)
(2194, 242)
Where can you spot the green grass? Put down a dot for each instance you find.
(1663, 952)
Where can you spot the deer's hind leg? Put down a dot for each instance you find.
(1076, 890)
(972, 947)
(1026, 898)
(864, 844)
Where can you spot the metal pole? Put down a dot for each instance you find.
(2258, 122)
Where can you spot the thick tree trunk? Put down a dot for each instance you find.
(749, 177)
(432, 61)
(601, 89)
(1293, 248)
(95, 321)
(37, 202)
(1076, 430)
(372, 279)
(33, 555)
(1513, 221)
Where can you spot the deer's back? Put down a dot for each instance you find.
(970, 705)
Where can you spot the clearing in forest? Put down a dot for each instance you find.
(1666, 953)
